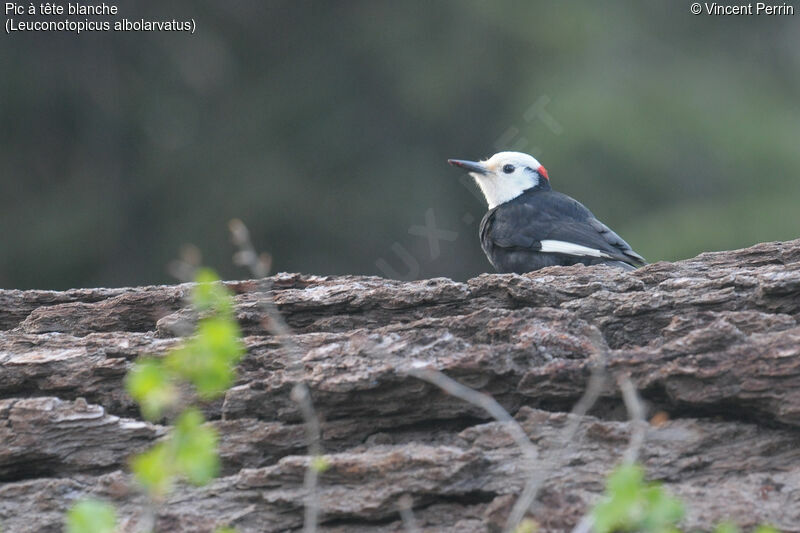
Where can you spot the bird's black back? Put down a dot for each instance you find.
(512, 232)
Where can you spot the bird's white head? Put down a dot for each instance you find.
(505, 175)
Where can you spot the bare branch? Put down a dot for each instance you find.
(301, 395)
(259, 266)
(406, 507)
(588, 399)
(247, 257)
(636, 415)
(497, 412)
(481, 400)
(585, 525)
(591, 394)
(147, 521)
(189, 260)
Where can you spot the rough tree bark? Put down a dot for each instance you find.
(713, 341)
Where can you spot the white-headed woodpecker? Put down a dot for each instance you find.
(530, 226)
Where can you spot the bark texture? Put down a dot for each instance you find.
(712, 344)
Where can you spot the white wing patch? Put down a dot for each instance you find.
(570, 248)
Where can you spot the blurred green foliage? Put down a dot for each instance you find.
(325, 127)
(152, 387)
(631, 504)
(320, 463)
(729, 527)
(91, 516)
(527, 526)
(207, 361)
(190, 452)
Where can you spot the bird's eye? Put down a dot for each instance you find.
(508, 169)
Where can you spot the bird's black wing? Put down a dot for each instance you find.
(595, 235)
(617, 242)
(540, 216)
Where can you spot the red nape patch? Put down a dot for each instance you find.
(543, 172)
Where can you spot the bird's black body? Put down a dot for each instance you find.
(512, 233)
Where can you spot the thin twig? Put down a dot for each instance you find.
(528, 497)
(406, 507)
(301, 395)
(185, 266)
(636, 415)
(585, 525)
(481, 400)
(499, 413)
(246, 255)
(147, 522)
(259, 266)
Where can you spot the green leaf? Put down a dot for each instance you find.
(195, 447)
(208, 360)
(620, 503)
(320, 463)
(225, 529)
(150, 385)
(190, 450)
(766, 529)
(527, 526)
(155, 469)
(209, 295)
(222, 337)
(631, 504)
(663, 509)
(626, 481)
(91, 516)
(726, 527)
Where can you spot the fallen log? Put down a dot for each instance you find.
(712, 343)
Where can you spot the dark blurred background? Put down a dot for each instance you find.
(325, 127)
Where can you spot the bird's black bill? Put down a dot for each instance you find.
(469, 166)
